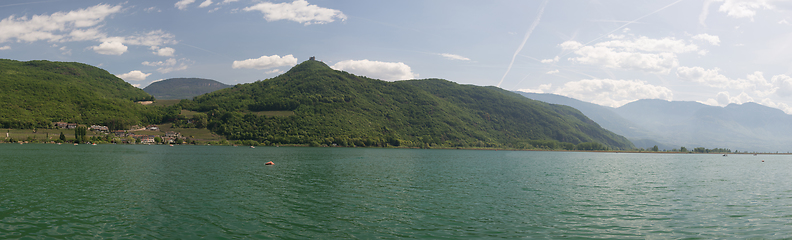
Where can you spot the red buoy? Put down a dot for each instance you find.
(269, 163)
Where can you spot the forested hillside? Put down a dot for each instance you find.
(36, 93)
(334, 107)
(183, 88)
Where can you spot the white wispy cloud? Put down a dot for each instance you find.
(754, 83)
(552, 60)
(169, 65)
(389, 71)
(181, 5)
(454, 57)
(5, 47)
(55, 27)
(110, 48)
(744, 8)
(642, 53)
(135, 75)
(205, 4)
(613, 93)
(265, 62)
(553, 71)
(714, 40)
(299, 11)
(164, 52)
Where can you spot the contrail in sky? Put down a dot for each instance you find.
(528, 34)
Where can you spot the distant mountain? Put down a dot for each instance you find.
(183, 88)
(35, 93)
(673, 124)
(335, 107)
(746, 127)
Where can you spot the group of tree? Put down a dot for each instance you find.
(328, 107)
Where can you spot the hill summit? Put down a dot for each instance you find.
(183, 88)
(314, 104)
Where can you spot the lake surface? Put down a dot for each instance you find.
(221, 192)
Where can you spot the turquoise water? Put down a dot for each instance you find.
(218, 192)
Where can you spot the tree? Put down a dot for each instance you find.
(683, 149)
(79, 134)
(62, 137)
(158, 139)
(655, 148)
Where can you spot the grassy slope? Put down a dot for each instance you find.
(36, 92)
(337, 107)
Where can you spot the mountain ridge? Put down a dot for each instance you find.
(335, 107)
(183, 88)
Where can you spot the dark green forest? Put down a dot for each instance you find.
(183, 88)
(335, 107)
(36, 93)
(323, 106)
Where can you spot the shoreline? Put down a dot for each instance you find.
(434, 148)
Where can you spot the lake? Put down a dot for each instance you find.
(222, 192)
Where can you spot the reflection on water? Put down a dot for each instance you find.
(125, 191)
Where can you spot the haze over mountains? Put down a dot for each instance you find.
(183, 88)
(672, 124)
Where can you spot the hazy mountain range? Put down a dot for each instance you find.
(672, 124)
(183, 88)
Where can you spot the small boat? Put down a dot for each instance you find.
(725, 155)
(269, 163)
(252, 147)
(171, 145)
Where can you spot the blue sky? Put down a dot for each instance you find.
(605, 52)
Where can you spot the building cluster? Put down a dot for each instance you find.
(126, 136)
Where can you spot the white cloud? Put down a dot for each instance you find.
(724, 98)
(205, 4)
(169, 65)
(744, 8)
(642, 53)
(181, 5)
(541, 89)
(754, 82)
(454, 57)
(164, 52)
(714, 40)
(783, 106)
(276, 71)
(552, 60)
(299, 11)
(783, 84)
(783, 21)
(158, 80)
(266, 62)
(553, 71)
(389, 71)
(152, 9)
(137, 85)
(570, 45)
(110, 48)
(135, 75)
(152, 38)
(228, 1)
(607, 57)
(5, 47)
(612, 36)
(613, 93)
(53, 27)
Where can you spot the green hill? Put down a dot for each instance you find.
(183, 88)
(335, 107)
(35, 93)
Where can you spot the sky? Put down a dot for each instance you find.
(610, 53)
